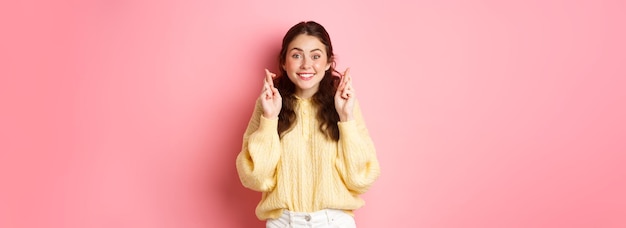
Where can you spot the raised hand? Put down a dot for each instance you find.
(345, 97)
(271, 101)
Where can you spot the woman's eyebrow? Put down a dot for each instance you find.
(299, 49)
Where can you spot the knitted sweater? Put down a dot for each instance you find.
(305, 171)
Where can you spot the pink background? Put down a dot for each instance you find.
(484, 113)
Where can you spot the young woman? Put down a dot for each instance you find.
(306, 147)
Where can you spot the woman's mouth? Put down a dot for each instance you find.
(305, 76)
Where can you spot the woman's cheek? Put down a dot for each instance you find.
(318, 65)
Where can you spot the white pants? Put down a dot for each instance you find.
(328, 218)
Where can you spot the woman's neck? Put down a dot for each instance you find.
(305, 94)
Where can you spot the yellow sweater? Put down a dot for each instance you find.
(305, 171)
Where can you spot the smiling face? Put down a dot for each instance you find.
(306, 62)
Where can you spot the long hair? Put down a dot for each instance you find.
(323, 99)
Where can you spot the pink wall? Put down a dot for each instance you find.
(484, 113)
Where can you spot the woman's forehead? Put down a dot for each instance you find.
(306, 43)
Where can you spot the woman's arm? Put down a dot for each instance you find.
(356, 158)
(260, 152)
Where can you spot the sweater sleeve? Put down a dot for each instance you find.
(356, 162)
(260, 152)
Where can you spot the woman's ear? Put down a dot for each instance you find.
(330, 62)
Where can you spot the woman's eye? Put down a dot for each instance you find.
(295, 56)
(316, 56)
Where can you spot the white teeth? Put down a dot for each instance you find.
(306, 75)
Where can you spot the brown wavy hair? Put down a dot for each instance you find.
(323, 99)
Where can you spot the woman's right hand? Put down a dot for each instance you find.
(270, 97)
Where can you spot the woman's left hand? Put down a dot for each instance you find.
(345, 97)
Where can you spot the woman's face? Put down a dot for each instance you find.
(305, 64)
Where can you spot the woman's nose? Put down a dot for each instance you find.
(306, 63)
